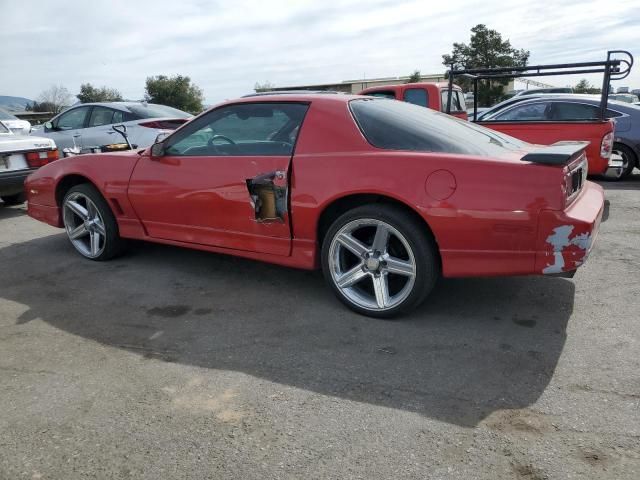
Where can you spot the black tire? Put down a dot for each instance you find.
(421, 243)
(15, 199)
(628, 156)
(113, 245)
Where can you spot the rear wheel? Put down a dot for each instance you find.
(379, 261)
(628, 160)
(16, 199)
(91, 226)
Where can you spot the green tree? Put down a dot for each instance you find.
(415, 77)
(176, 91)
(583, 86)
(486, 49)
(89, 93)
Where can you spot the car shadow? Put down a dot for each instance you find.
(11, 212)
(474, 347)
(632, 182)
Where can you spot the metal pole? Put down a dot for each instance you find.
(450, 89)
(605, 87)
(475, 99)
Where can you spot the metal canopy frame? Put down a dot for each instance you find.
(612, 68)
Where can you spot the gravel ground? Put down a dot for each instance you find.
(171, 363)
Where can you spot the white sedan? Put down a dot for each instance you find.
(21, 155)
(17, 126)
(90, 125)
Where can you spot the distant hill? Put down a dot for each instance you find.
(15, 104)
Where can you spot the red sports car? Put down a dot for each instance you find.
(385, 196)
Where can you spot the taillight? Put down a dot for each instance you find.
(150, 124)
(607, 145)
(163, 124)
(38, 159)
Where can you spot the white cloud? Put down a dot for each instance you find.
(225, 47)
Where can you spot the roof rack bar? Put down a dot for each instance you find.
(537, 67)
(613, 69)
(540, 74)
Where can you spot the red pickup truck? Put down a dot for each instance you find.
(547, 130)
(426, 94)
(599, 134)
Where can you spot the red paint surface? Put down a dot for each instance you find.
(495, 222)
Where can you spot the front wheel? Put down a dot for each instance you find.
(379, 260)
(91, 227)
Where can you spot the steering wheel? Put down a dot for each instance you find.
(221, 137)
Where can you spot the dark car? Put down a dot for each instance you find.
(549, 107)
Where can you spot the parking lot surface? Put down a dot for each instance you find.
(171, 363)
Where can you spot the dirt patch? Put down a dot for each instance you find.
(169, 311)
(525, 421)
(525, 322)
(593, 457)
(529, 472)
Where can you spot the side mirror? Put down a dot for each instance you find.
(157, 150)
(161, 137)
(48, 126)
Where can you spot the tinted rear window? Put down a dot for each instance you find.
(395, 125)
(150, 110)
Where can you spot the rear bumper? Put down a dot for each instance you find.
(565, 238)
(45, 213)
(12, 182)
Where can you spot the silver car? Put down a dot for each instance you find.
(90, 125)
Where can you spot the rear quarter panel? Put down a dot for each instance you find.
(485, 221)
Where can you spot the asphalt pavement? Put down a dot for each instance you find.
(173, 363)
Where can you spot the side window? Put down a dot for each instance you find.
(417, 96)
(457, 101)
(383, 94)
(260, 129)
(118, 116)
(529, 112)
(72, 119)
(100, 116)
(574, 111)
(612, 114)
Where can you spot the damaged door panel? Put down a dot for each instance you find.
(268, 195)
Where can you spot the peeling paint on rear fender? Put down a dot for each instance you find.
(567, 249)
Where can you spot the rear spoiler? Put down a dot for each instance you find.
(560, 153)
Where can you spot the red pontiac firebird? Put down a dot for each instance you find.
(383, 195)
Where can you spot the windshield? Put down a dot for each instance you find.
(4, 115)
(151, 110)
(394, 125)
(458, 103)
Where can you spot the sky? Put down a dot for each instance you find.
(228, 46)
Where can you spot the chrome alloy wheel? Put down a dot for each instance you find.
(620, 172)
(372, 264)
(84, 225)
